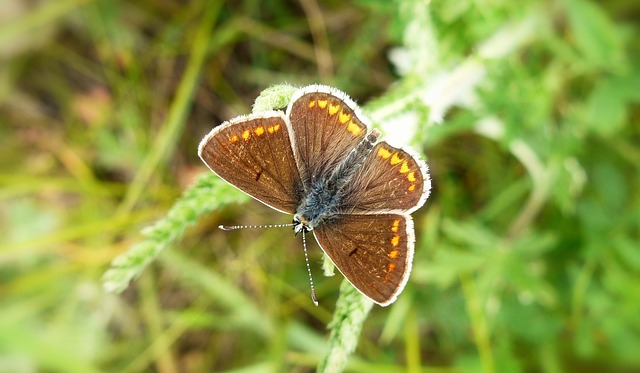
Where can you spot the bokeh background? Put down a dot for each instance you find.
(528, 254)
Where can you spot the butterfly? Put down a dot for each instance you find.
(319, 161)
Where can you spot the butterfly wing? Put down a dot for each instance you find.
(373, 252)
(326, 126)
(254, 154)
(389, 180)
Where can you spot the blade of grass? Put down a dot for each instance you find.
(481, 332)
(169, 134)
(43, 15)
(241, 310)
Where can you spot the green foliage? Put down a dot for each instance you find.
(207, 194)
(274, 97)
(349, 316)
(527, 254)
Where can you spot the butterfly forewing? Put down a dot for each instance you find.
(325, 127)
(374, 252)
(390, 180)
(254, 154)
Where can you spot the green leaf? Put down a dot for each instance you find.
(607, 108)
(594, 33)
(449, 264)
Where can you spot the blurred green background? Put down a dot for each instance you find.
(528, 255)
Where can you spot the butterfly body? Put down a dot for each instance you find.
(319, 162)
(325, 195)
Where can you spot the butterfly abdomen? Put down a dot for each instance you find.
(343, 174)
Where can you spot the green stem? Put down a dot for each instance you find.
(479, 324)
(207, 194)
(351, 311)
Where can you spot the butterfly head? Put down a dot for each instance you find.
(301, 224)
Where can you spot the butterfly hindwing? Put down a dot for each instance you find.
(374, 252)
(254, 154)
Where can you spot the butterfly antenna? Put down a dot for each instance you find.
(232, 227)
(306, 258)
(304, 246)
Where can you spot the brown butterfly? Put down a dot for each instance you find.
(319, 162)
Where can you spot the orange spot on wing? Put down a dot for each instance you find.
(394, 227)
(312, 104)
(395, 159)
(411, 176)
(404, 168)
(344, 118)
(259, 131)
(246, 134)
(323, 103)
(395, 241)
(234, 138)
(384, 153)
(353, 128)
(273, 129)
(390, 268)
(412, 187)
(393, 254)
(333, 109)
